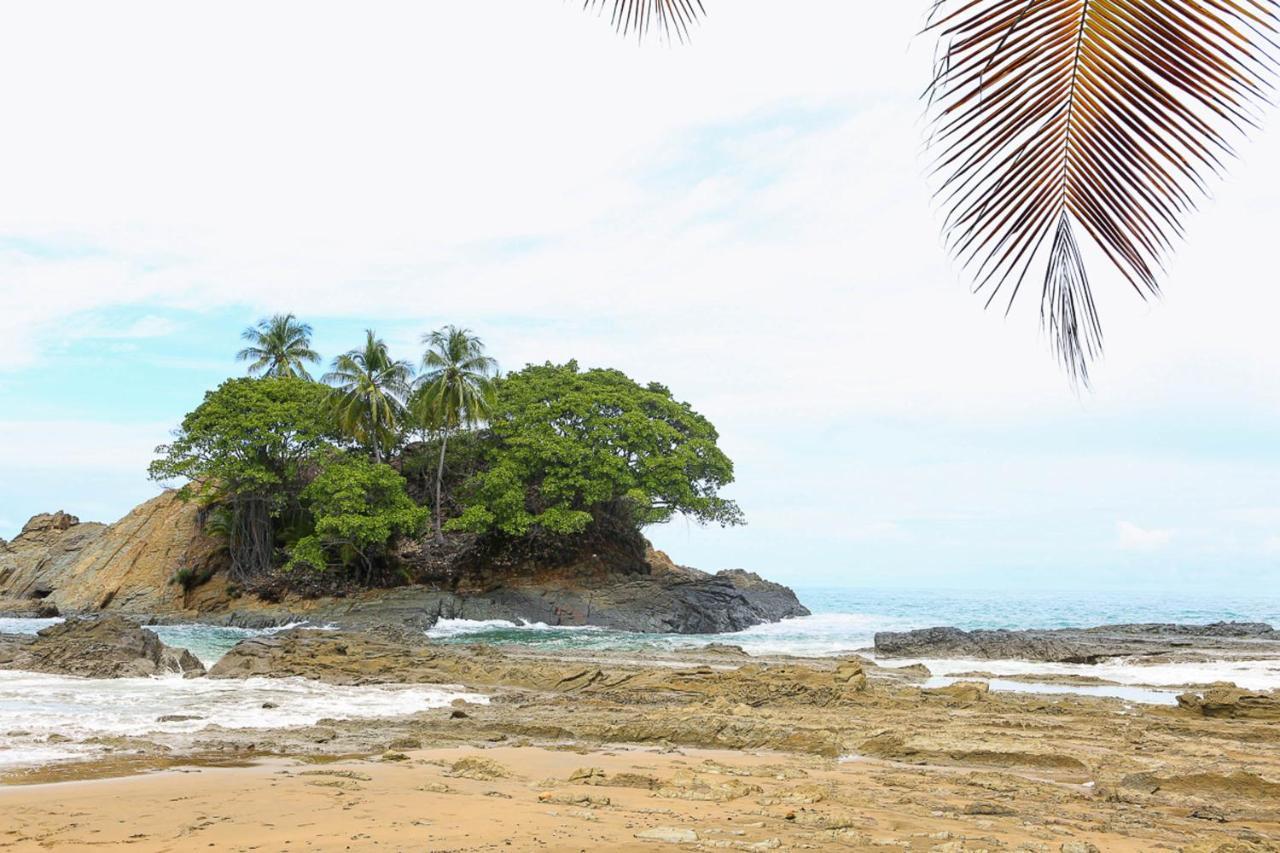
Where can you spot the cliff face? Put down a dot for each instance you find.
(59, 564)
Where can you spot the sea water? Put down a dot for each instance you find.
(52, 718)
(844, 621)
(34, 707)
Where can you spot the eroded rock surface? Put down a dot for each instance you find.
(110, 647)
(1082, 645)
(1230, 702)
(60, 565)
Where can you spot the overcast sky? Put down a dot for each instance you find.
(745, 218)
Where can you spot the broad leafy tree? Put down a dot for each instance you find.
(455, 390)
(370, 388)
(249, 447)
(569, 446)
(279, 346)
(358, 508)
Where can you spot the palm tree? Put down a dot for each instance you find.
(672, 17)
(1061, 120)
(369, 392)
(278, 347)
(456, 390)
(1057, 119)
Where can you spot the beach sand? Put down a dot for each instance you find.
(713, 799)
(707, 750)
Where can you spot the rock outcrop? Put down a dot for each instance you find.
(110, 647)
(1080, 645)
(346, 657)
(1226, 701)
(60, 565)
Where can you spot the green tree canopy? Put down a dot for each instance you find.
(249, 445)
(358, 507)
(567, 444)
(248, 436)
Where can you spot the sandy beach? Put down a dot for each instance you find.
(528, 798)
(700, 750)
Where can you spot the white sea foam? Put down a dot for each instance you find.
(1251, 675)
(13, 625)
(35, 706)
(207, 642)
(450, 628)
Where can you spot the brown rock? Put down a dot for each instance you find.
(110, 647)
(1225, 700)
(962, 691)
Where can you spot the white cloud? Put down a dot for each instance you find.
(751, 227)
(1131, 537)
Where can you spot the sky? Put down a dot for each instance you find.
(746, 218)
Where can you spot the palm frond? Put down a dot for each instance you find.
(1057, 119)
(670, 17)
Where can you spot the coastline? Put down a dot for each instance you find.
(828, 753)
(522, 797)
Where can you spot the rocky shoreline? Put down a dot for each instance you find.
(818, 753)
(1150, 641)
(58, 565)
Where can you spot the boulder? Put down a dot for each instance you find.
(109, 647)
(1225, 700)
(60, 564)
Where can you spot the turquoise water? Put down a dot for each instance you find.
(847, 619)
(843, 620)
(207, 642)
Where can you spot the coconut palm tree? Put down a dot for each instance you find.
(456, 389)
(278, 346)
(369, 393)
(672, 17)
(1057, 120)
(1062, 123)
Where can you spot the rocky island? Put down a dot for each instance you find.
(59, 565)
(370, 506)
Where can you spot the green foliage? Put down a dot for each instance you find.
(456, 386)
(189, 578)
(567, 444)
(278, 347)
(249, 437)
(358, 507)
(456, 389)
(369, 392)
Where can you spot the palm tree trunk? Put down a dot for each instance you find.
(444, 442)
(373, 439)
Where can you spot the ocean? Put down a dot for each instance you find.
(33, 707)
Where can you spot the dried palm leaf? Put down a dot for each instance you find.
(672, 17)
(1056, 117)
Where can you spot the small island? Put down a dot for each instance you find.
(384, 495)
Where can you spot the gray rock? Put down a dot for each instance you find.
(685, 602)
(1079, 645)
(110, 647)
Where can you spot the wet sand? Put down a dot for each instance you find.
(522, 798)
(706, 750)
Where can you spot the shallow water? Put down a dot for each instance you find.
(844, 620)
(34, 706)
(1141, 695)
